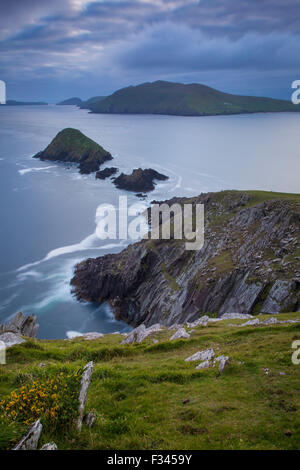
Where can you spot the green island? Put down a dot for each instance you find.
(178, 99)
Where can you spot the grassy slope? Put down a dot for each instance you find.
(188, 100)
(73, 144)
(138, 390)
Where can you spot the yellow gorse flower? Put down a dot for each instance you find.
(55, 400)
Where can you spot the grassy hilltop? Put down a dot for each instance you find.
(71, 145)
(162, 97)
(146, 396)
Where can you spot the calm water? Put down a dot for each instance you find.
(48, 211)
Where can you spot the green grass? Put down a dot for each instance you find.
(138, 391)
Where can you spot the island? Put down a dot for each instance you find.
(70, 102)
(72, 146)
(91, 101)
(179, 99)
(25, 103)
(141, 181)
(106, 173)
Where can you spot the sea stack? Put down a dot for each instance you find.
(72, 146)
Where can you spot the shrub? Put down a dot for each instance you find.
(54, 401)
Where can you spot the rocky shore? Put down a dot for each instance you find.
(249, 264)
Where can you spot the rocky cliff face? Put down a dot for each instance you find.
(250, 263)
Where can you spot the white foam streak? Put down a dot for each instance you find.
(29, 170)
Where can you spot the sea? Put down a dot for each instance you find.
(48, 211)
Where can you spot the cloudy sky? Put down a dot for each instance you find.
(55, 49)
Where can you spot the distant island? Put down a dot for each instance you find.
(169, 98)
(24, 103)
(72, 146)
(139, 180)
(91, 101)
(70, 102)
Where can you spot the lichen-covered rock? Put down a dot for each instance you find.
(235, 316)
(180, 333)
(49, 446)
(204, 365)
(24, 325)
(253, 322)
(10, 339)
(269, 321)
(202, 321)
(31, 440)
(223, 362)
(92, 335)
(83, 391)
(140, 333)
(205, 355)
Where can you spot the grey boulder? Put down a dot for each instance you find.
(205, 355)
(10, 339)
(31, 440)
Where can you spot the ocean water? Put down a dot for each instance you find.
(48, 211)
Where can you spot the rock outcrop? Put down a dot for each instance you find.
(249, 264)
(31, 440)
(140, 181)
(24, 325)
(49, 446)
(71, 146)
(140, 333)
(11, 339)
(106, 173)
(83, 392)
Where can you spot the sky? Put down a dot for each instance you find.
(56, 49)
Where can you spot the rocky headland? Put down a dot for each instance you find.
(72, 146)
(250, 263)
(140, 181)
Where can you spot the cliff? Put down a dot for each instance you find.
(249, 263)
(71, 146)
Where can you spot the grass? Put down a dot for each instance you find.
(146, 396)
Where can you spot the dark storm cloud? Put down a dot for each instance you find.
(113, 43)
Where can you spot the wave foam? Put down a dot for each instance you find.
(29, 170)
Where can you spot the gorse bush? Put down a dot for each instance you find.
(54, 401)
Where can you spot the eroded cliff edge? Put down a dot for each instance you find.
(250, 263)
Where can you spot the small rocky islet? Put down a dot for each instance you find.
(106, 173)
(140, 181)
